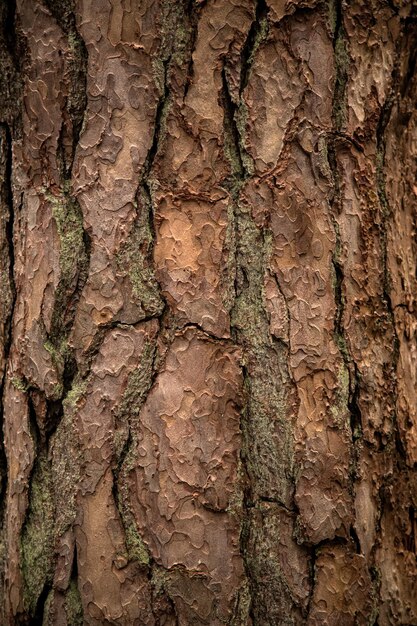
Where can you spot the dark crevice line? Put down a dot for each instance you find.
(244, 279)
(335, 138)
(128, 445)
(9, 236)
(67, 295)
(312, 572)
(144, 186)
(205, 332)
(76, 110)
(9, 30)
(385, 116)
(130, 441)
(189, 19)
(10, 225)
(194, 18)
(247, 55)
(159, 114)
(277, 502)
(355, 540)
(337, 135)
(38, 615)
(76, 105)
(38, 445)
(74, 579)
(340, 56)
(230, 113)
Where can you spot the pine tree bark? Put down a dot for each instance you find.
(208, 321)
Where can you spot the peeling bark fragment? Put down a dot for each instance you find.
(117, 135)
(276, 307)
(277, 9)
(302, 245)
(292, 72)
(401, 194)
(192, 254)
(111, 586)
(191, 258)
(396, 553)
(184, 476)
(343, 593)
(368, 329)
(371, 33)
(37, 170)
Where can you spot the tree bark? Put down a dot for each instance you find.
(208, 304)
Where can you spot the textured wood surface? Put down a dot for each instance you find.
(208, 332)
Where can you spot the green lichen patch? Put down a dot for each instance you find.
(136, 548)
(138, 385)
(241, 118)
(132, 261)
(332, 16)
(137, 388)
(66, 460)
(72, 257)
(342, 60)
(76, 393)
(19, 384)
(73, 606)
(37, 539)
(241, 612)
(260, 35)
(229, 268)
(267, 442)
(339, 408)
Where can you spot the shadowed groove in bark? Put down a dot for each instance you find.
(67, 294)
(63, 12)
(11, 55)
(250, 329)
(396, 92)
(193, 15)
(7, 201)
(74, 238)
(8, 300)
(255, 34)
(336, 138)
(187, 19)
(133, 400)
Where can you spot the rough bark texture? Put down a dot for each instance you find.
(208, 328)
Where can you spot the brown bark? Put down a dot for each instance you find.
(208, 312)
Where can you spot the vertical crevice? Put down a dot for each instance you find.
(12, 54)
(193, 16)
(336, 201)
(38, 616)
(256, 32)
(264, 390)
(8, 291)
(341, 63)
(75, 242)
(399, 83)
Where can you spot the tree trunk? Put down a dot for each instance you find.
(208, 312)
